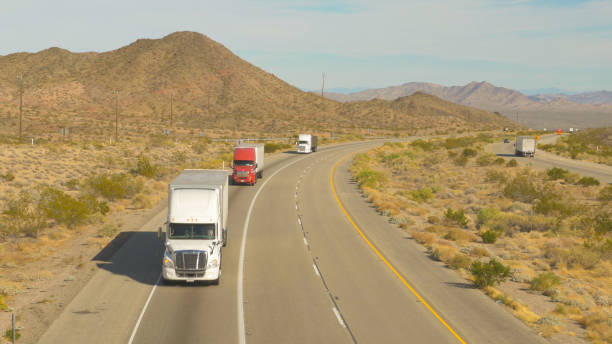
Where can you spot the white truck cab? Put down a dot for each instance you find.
(307, 143)
(195, 230)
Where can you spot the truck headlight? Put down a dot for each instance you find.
(167, 260)
(213, 264)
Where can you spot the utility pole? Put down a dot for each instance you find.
(323, 84)
(171, 109)
(116, 116)
(20, 102)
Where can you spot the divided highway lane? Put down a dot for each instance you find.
(546, 160)
(108, 307)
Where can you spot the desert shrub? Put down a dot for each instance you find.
(388, 159)
(512, 163)
(582, 257)
(459, 235)
(489, 236)
(8, 176)
(421, 195)
(490, 273)
(556, 173)
(3, 306)
(370, 178)
(486, 159)
(144, 167)
(486, 215)
(433, 220)
(108, 231)
(426, 239)
(499, 161)
(142, 201)
(545, 281)
(598, 326)
(179, 156)
(464, 141)
(588, 181)
(495, 176)
(94, 205)
(424, 145)
(22, 216)
(478, 251)
(114, 186)
(521, 188)
(61, 207)
(605, 194)
(443, 253)
(550, 202)
(469, 152)
(460, 261)
(456, 217)
(460, 160)
(603, 224)
(273, 147)
(200, 146)
(8, 335)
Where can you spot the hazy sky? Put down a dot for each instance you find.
(520, 44)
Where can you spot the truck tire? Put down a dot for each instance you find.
(260, 175)
(225, 238)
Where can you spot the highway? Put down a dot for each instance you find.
(307, 261)
(545, 160)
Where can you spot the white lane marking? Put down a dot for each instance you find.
(239, 294)
(299, 221)
(316, 269)
(337, 313)
(144, 309)
(305, 242)
(296, 207)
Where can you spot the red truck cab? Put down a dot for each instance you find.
(244, 167)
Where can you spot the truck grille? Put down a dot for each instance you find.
(190, 260)
(242, 174)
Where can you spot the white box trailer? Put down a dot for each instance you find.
(196, 227)
(525, 146)
(307, 143)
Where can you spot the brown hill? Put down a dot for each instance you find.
(211, 89)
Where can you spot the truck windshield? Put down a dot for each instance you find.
(243, 163)
(192, 231)
(303, 142)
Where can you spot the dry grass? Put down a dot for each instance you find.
(555, 235)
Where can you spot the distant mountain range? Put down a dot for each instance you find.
(484, 95)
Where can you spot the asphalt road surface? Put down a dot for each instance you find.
(545, 160)
(308, 272)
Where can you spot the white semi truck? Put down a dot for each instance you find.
(307, 143)
(525, 146)
(196, 227)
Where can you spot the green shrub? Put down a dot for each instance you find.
(603, 224)
(557, 173)
(485, 159)
(489, 274)
(499, 161)
(144, 167)
(521, 188)
(23, 216)
(460, 261)
(461, 161)
(421, 195)
(108, 231)
(605, 194)
(489, 236)
(114, 186)
(72, 184)
(94, 205)
(8, 335)
(424, 145)
(486, 215)
(370, 178)
(469, 153)
(495, 176)
(61, 207)
(512, 163)
(588, 181)
(3, 306)
(545, 281)
(457, 217)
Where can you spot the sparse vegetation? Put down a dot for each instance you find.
(545, 282)
(274, 147)
(489, 274)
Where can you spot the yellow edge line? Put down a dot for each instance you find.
(331, 180)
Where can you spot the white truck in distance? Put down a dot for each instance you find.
(307, 143)
(196, 226)
(525, 146)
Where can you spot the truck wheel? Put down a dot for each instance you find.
(225, 238)
(260, 175)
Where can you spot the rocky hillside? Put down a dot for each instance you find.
(211, 88)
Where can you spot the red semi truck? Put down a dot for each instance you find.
(248, 163)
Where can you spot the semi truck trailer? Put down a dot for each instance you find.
(248, 164)
(307, 143)
(196, 227)
(525, 146)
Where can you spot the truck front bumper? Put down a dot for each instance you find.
(170, 274)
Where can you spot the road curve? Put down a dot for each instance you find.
(308, 276)
(544, 160)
